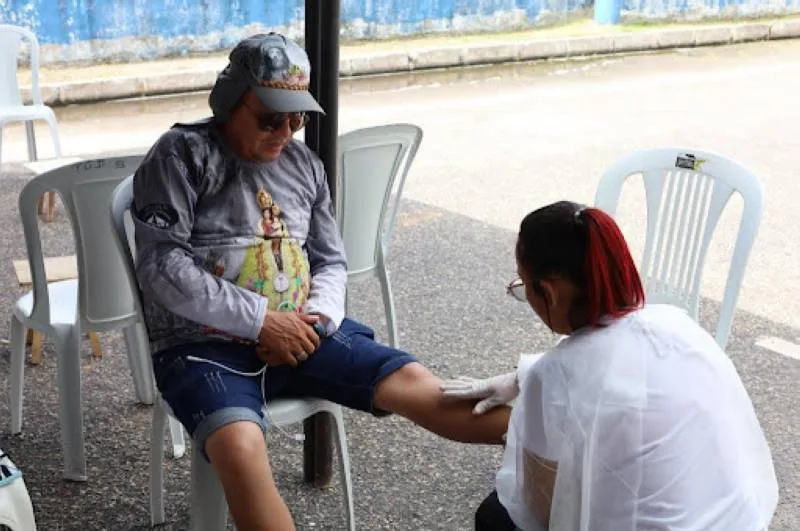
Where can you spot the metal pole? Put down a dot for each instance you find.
(322, 46)
(329, 87)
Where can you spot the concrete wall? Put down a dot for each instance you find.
(700, 9)
(93, 30)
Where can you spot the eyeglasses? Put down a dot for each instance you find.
(271, 121)
(516, 289)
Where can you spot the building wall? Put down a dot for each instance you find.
(92, 30)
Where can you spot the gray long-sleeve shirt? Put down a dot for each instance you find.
(220, 240)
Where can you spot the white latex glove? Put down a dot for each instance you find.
(494, 391)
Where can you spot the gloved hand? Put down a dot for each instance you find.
(494, 391)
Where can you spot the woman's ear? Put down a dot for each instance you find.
(548, 291)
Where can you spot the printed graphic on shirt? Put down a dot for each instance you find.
(276, 266)
(159, 216)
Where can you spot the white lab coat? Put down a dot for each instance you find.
(16, 511)
(650, 427)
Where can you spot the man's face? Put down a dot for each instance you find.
(257, 133)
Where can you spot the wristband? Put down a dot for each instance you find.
(320, 330)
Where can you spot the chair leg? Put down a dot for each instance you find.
(30, 134)
(17, 376)
(94, 341)
(208, 508)
(140, 363)
(47, 204)
(41, 207)
(49, 213)
(344, 466)
(176, 436)
(36, 347)
(52, 123)
(157, 465)
(46, 207)
(70, 410)
(388, 302)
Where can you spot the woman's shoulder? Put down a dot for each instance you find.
(654, 331)
(671, 327)
(660, 320)
(661, 312)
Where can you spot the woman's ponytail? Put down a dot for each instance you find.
(613, 286)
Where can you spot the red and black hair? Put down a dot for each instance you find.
(585, 246)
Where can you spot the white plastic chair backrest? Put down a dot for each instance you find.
(121, 201)
(10, 43)
(105, 301)
(371, 170)
(686, 192)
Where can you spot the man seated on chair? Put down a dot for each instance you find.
(242, 268)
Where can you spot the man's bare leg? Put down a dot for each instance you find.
(238, 454)
(413, 392)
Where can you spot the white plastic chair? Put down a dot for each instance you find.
(16, 510)
(372, 166)
(121, 199)
(12, 108)
(686, 192)
(98, 300)
(209, 511)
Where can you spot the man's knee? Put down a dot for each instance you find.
(409, 375)
(409, 385)
(413, 372)
(237, 442)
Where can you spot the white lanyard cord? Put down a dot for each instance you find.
(299, 437)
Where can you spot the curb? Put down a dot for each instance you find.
(444, 57)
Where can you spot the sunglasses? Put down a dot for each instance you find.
(516, 289)
(272, 121)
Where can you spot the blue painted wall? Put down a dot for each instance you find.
(98, 29)
(70, 21)
(708, 8)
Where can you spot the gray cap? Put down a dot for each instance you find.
(275, 67)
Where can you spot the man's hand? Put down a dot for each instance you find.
(494, 391)
(287, 338)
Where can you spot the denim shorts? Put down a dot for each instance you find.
(346, 369)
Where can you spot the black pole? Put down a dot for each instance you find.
(329, 86)
(322, 46)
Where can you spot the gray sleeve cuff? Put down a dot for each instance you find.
(258, 322)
